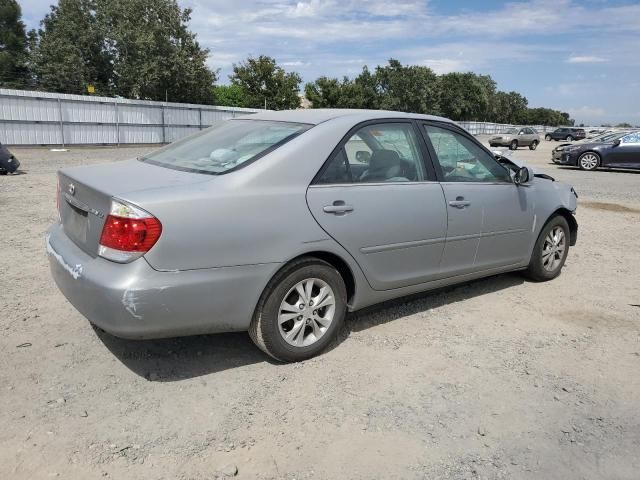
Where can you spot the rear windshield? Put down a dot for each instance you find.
(225, 146)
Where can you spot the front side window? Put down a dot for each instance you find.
(461, 160)
(225, 146)
(385, 152)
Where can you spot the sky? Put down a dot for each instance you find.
(582, 57)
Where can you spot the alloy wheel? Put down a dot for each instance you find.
(589, 161)
(553, 249)
(306, 312)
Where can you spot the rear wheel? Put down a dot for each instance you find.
(300, 311)
(589, 161)
(513, 145)
(569, 138)
(547, 137)
(533, 145)
(550, 251)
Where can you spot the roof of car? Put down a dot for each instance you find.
(319, 115)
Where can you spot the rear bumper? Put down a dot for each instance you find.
(499, 143)
(135, 301)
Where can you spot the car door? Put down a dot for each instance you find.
(524, 139)
(490, 218)
(626, 154)
(380, 200)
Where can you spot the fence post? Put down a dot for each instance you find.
(115, 104)
(61, 122)
(163, 125)
(200, 117)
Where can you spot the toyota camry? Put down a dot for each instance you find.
(279, 223)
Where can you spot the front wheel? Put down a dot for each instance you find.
(550, 251)
(589, 161)
(513, 145)
(300, 311)
(533, 145)
(547, 138)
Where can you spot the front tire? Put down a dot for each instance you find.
(550, 250)
(589, 161)
(513, 145)
(533, 145)
(300, 312)
(547, 138)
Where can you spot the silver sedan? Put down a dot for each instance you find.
(279, 223)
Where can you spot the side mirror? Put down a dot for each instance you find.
(521, 132)
(617, 142)
(522, 176)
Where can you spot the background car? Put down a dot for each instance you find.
(516, 137)
(556, 153)
(620, 151)
(566, 133)
(280, 222)
(8, 162)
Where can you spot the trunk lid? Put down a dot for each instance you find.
(85, 193)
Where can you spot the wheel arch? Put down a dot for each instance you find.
(343, 268)
(573, 224)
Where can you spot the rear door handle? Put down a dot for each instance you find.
(338, 208)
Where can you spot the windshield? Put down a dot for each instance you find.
(512, 131)
(225, 146)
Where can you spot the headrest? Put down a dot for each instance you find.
(383, 159)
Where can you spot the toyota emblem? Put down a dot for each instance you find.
(72, 189)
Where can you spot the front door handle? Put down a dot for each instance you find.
(338, 208)
(459, 202)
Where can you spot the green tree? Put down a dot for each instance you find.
(230, 96)
(325, 92)
(14, 72)
(624, 125)
(155, 56)
(267, 84)
(509, 107)
(410, 88)
(464, 96)
(70, 53)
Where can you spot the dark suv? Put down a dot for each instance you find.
(566, 133)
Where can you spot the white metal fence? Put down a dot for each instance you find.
(41, 118)
(488, 128)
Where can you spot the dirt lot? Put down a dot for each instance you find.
(500, 378)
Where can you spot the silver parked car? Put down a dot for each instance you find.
(516, 137)
(279, 222)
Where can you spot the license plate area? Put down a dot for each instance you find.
(76, 223)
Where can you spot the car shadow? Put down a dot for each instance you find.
(176, 359)
(420, 302)
(602, 169)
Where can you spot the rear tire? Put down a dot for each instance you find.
(293, 336)
(513, 145)
(533, 145)
(547, 138)
(569, 138)
(550, 250)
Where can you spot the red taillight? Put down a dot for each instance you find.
(130, 234)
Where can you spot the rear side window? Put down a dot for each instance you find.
(225, 146)
(385, 152)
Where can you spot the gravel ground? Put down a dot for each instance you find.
(498, 378)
